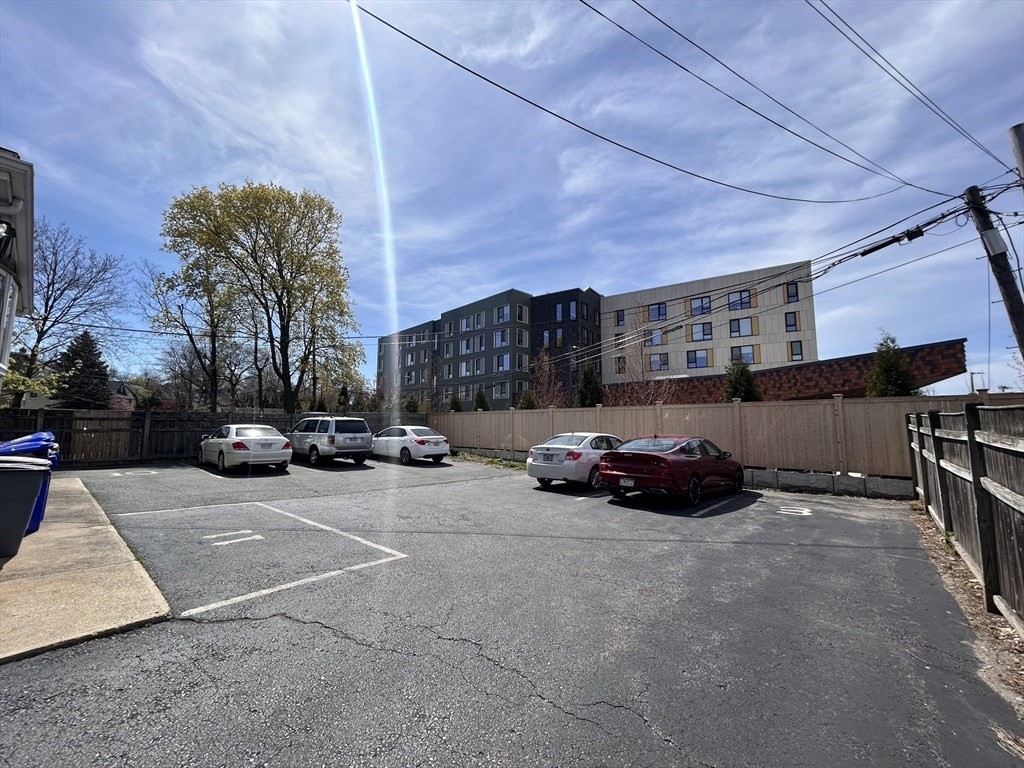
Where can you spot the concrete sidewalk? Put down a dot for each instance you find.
(73, 579)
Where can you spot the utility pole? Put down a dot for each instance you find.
(998, 261)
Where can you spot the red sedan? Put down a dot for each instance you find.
(670, 465)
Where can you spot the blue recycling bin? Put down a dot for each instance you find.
(21, 487)
(39, 445)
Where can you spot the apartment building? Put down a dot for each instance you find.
(406, 361)
(567, 326)
(764, 317)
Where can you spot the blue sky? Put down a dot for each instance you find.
(121, 106)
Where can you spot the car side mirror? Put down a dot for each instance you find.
(726, 454)
(206, 437)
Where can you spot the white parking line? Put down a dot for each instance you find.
(711, 508)
(221, 535)
(235, 541)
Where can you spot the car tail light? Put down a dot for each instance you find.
(330, 439)
(238, 445)
(573, 455)
(420, 441)
(530, 454)
(287, 444)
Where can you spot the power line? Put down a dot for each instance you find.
(607, 139)
(902, 80)
(882, 171)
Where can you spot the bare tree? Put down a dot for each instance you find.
(73, 285)
(548, 389)
(186, 381)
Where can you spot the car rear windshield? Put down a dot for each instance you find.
(425, 432)
(649, 444)
(357, 426)
(257, 432)
(565, 440)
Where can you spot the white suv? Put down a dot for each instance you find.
(331, 437)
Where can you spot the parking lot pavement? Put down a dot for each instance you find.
(459, 615)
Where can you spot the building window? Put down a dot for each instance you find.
(410, 358)
(558, 312)
(478, 365)
(742, 354)
(479, 320)
(501, 314)
(792, 322)
(657, 312)
(620, 317)
(796, 350)
(465, 346)
(449, 328)
(742, 327)
(697, 358)
(520, 387)
(619, 341)
(521, 338)
(500, 391)
(410, 377)
(449, 370)
(521, 363)
(652, 338)
(465, 324)
(559, 339)
(501, 338)
(620, 365)
(466, 368)
(792, 293)
(572, 310)
(546, 336)
(700, 305)
(423, 355)
(502, 362)
(522, 314)
(448, 349)
(659, 361)
(481, 342)
(739, 300)
(700, 331)
(585, 309)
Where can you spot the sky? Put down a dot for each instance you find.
(452, 188)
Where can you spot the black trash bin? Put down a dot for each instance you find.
(21, 483)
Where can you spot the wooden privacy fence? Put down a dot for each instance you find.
(839, 435)
(125, 437)
(969, 472)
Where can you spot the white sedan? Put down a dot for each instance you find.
(408, 443)
(235, 445)
(572, 456)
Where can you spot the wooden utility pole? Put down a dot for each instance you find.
(999, 261)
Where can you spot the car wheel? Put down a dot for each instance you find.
(221, 466)
(693, 490)
(436, 459)
(283, 466)
(202, 459)
(618, 494)
(405, 457)
(544, 481)
(314, 456)
(737, 481)
(359, 459)
(594, 479)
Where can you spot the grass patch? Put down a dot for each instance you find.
(506, 463)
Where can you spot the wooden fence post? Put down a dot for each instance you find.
(839, 430)
(923, 463)
(737, 429)
(598, 406)
(986, 530)
(945, 512)
(913, 441)
(145, 437)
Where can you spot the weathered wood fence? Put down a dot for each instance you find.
(969, 472)
(94, 438)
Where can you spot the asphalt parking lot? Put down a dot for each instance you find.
(457, 614)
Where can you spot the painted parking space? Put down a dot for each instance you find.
(210, 557)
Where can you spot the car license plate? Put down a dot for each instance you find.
(548, 457)
(266, 446)
(352, 439)
(626, 482)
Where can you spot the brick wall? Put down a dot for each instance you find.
(929, 363)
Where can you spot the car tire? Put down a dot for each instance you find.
(737, 481)
(314, 456)
(544, 481)
(436, 459)
(283, 466)
(693, 491)
(359, 460)
(404, 456)
(221, 466)
(594, 479)
(618, 494)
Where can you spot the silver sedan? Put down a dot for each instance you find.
(571, 456)
(235, 445)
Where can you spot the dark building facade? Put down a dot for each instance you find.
(566, 326)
